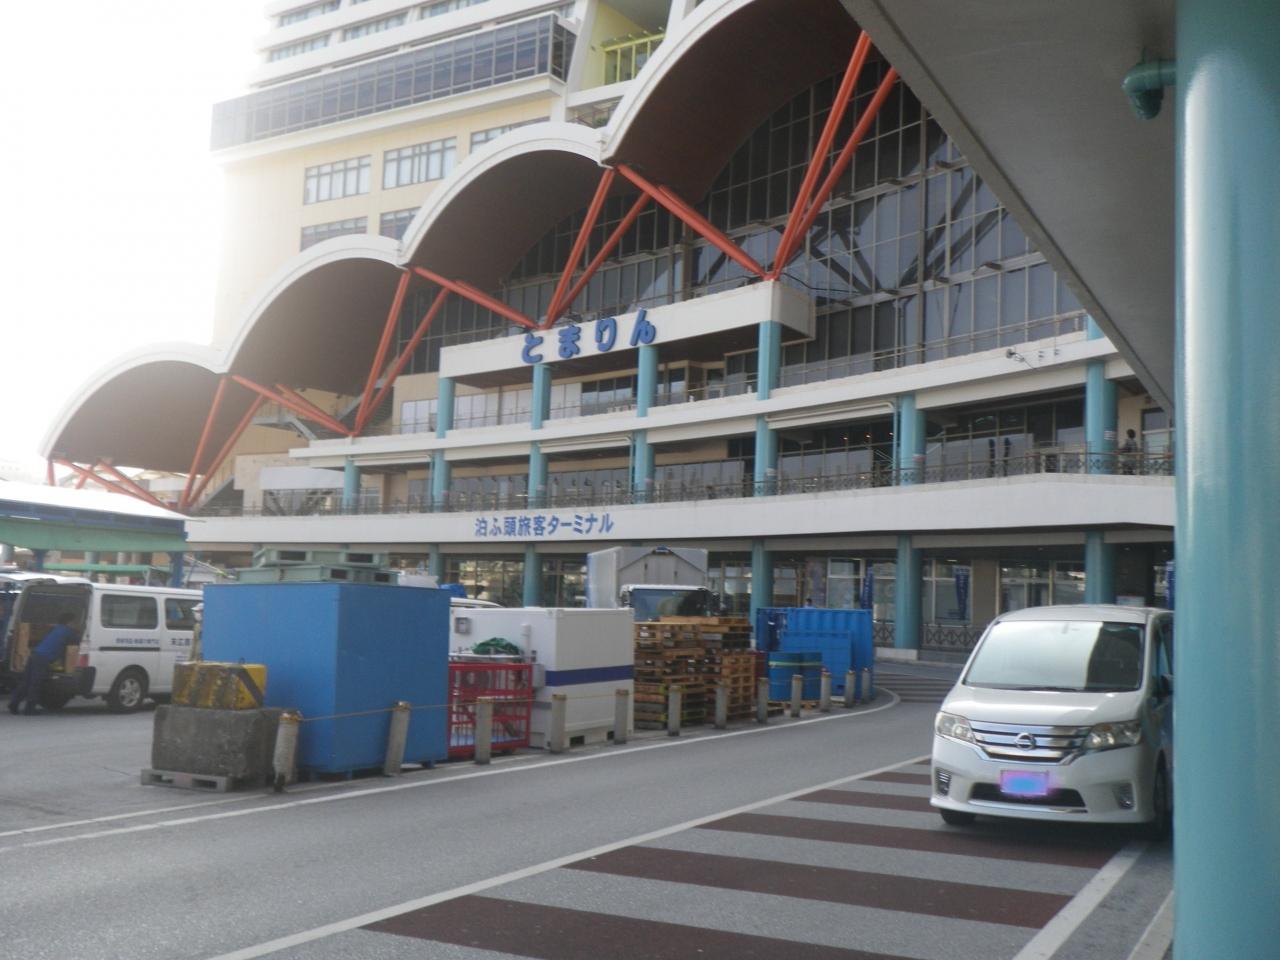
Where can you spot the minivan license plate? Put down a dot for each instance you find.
(1024, 783)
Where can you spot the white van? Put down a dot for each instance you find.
(1062, 713)
(130, 638)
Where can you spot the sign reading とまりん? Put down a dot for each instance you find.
(588, 339)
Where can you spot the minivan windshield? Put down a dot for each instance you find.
(1076, 656)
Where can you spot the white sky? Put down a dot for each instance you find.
(112, 203)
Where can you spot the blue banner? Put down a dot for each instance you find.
(962, 592)
(867, 600)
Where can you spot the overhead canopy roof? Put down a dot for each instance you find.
(681, 126)
(1031, 92)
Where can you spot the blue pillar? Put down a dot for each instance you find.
(1099, 418)
(177, 568)
(766, 473)
(435, 562)
(761, 577)
(1227, 135)
(910, 440)
(642, 466)
(532, 577)
(537, 476)
(1099, 568)
(906, 590)
(350, 486)
(646, 379)
(37, 559)
(768, 358)
(440, 473)
(445, 393)
(540, 406)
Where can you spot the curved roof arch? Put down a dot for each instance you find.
(146, 401)
(752, 57)
(484, 218)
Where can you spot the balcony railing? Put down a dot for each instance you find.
(1045, 461)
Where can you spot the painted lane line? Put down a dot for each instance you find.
(1056, 932)
(1155, 940)
(111, 818)
(386, 913)
(419, 784)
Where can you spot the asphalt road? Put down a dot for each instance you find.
(97, 866)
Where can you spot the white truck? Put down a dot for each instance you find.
(653, 581)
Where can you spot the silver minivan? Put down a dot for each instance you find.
(1062, 713)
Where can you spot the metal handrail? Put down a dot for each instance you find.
(1050, 460)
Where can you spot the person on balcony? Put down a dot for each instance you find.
(1128, 453)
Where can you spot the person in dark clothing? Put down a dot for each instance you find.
(47, 652)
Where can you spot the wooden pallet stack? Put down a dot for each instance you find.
(697, 653)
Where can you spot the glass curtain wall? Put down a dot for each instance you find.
(914, 259)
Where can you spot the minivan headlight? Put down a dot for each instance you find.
(953, 727)
(1109, 736)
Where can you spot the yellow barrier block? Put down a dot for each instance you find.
(221, 686)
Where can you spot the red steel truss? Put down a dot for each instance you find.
(479, 297)
(579, 246)
(405, 355)
(126, 488)
(393, 315)
(614, 239)
(297, 403)
(838, 107)
(222, 454)
(694, 220)
(204, 439)
(837, 170)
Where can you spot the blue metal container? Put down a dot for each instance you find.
(784, 665)
(337, 649)
(843, 637)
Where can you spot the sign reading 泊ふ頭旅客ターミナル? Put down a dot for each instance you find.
(588, 339)
(538, 526)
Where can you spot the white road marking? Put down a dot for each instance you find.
(352, 923)
(1155, 940)
(1055, 933)
(419, 784)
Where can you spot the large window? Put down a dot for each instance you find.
(624, 56)
(511, 52)
(374, 26)
(299, 48)
(298, 14)
(418, 163)
(730, 577)
(441, 7)
(418, 416)
(394, 223)
(564, 582)
(327, 231)
(501, 581)
(331, 181)
(945, 592)
(1039, 584)
(480, 137)
(129, 612)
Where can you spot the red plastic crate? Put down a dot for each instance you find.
(509, 685)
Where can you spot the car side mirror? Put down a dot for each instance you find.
(1164, 685)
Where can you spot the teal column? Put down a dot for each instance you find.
(768, 358)
(906, 602)
(1099, 413)
(540, 407)
(642, 466)
(440, 474)
(1227, 136)
(177, 568)
(1099, 568)
(435, 563)
(766, 471)
(761, 577)
(532, 577)
(37, 559)
(445, 393)
(537, 476)
(910, 440)
(646, 379)
(350, 486)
